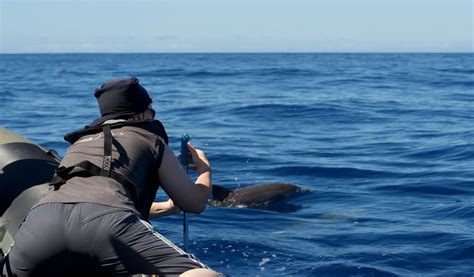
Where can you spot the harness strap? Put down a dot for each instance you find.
(87, 169)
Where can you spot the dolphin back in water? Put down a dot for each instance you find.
(252, 196)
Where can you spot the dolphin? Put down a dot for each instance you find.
(264, 196)
(252, 196)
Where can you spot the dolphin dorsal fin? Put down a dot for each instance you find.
(219, 193)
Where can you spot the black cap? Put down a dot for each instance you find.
(121, 98)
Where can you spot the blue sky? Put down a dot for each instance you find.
(237, 26)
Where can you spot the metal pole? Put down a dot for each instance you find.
(184, 163)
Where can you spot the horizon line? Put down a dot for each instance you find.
(242, 52)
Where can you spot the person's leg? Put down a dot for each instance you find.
(181, 259)
(126, 245)
(200, 272)
(39, 241)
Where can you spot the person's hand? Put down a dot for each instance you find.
(199, 159)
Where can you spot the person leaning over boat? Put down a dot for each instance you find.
(93, 220)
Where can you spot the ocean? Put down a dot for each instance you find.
(382, 142)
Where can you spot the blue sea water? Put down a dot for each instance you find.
(383, 142)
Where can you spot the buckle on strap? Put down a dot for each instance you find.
(106, 164)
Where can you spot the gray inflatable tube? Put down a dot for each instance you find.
(25, 170)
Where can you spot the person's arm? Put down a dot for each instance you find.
(185, 194)
(159, 209)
